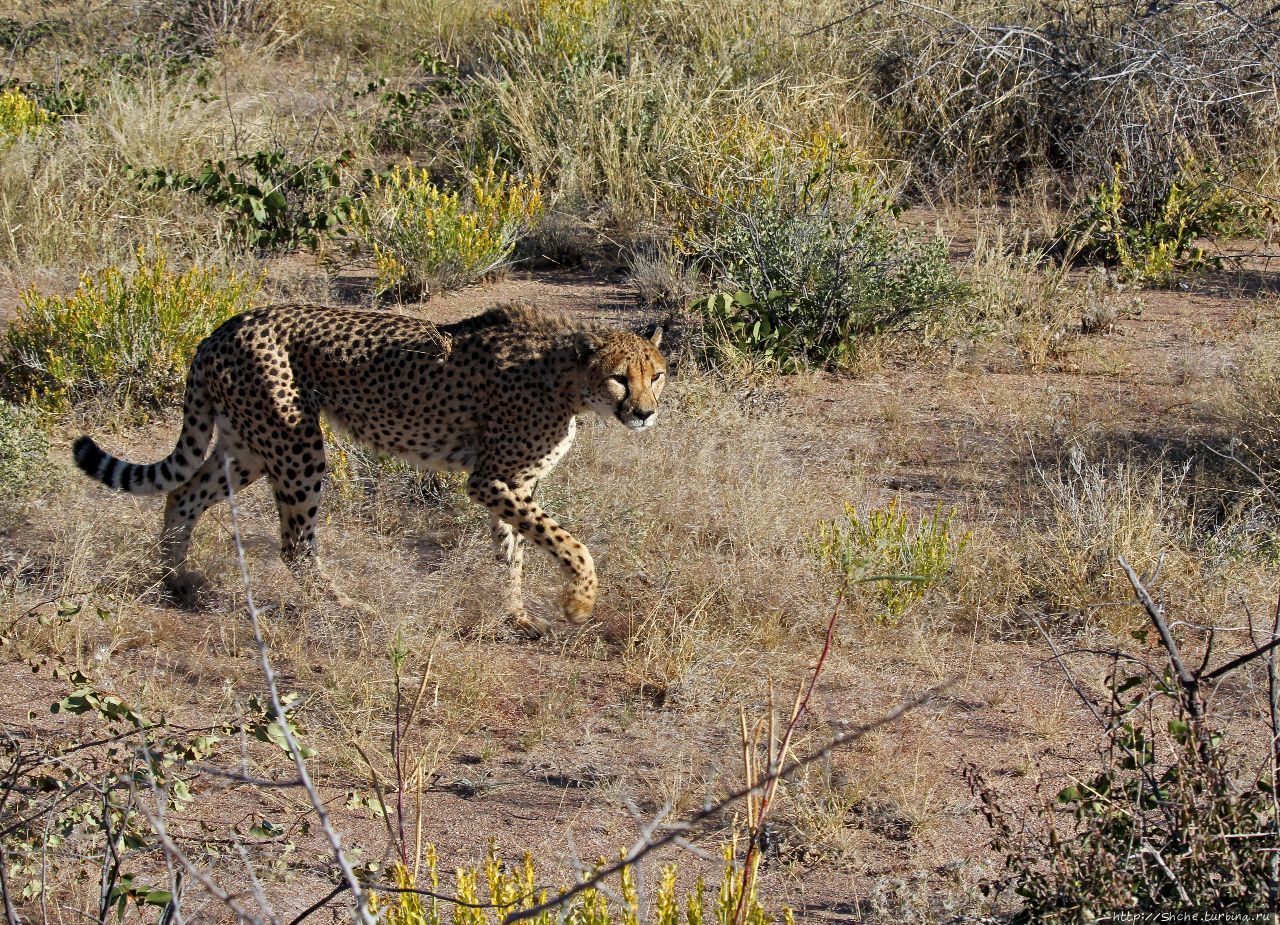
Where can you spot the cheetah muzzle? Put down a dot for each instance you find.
(496, 395)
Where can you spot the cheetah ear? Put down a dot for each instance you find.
(654, 334)
(585, 344)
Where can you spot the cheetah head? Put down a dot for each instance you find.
(624, 375)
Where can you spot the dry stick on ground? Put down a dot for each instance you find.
(362, 913)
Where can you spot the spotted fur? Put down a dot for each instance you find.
(496, 395)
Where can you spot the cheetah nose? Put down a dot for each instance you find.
(643, 416)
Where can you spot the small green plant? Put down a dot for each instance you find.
(410, 115)
(23, 450)
(21, 115)
(813, 262)
(270, 201)
(425, 239)
(134, 333)
(911, 555)
(58, 813)
(1156, 241)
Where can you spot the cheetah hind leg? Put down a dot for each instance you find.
(183, 508)
(299, 553)
(508, 549)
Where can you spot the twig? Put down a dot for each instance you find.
(798, 710)
(1188, 682)
(679, 830)
(335, 840)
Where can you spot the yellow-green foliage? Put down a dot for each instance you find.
(508, 889)
(910, 555)
(1151, 242)
(20, 115)
(426, 239)
(557, 33)
(118, 332)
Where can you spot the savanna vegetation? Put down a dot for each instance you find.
(942, 591)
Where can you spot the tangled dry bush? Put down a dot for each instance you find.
(1074, 88)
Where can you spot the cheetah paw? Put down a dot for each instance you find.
(528, 627)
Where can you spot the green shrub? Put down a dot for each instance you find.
(271, 202)
(1171, 822)
(812, 261)
(914, 555)
(23, 451)
(425, 239)
(1155, 241)
(411, 116)
(134, 334)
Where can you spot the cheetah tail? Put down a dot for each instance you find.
(158, 477)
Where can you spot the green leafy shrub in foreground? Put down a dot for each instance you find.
(1175, 820)
(134, 334)
(811, 260)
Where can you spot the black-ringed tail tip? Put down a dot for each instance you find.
(121, 475)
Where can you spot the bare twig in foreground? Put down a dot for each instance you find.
(362, 913)
(682, 829)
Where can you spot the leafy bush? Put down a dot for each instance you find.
(21, 115)
(130, 333)
(1152, 242)
(410, 115)
(510, 890)
(272, 202)
(1170, 822)
(813, 262)
(885, 542)
(23, 448)
(425, 239)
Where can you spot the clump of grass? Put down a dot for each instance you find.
(23, 448)
(914, 554)
(425, 239)
(1100, 511)
(1255, 402)
(21, 115)
(128, 333)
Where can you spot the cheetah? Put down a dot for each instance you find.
(496, 395)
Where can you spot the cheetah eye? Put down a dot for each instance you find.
(657, 377)
(621, 380)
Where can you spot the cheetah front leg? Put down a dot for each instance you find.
(524, 518)
(508, 549)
